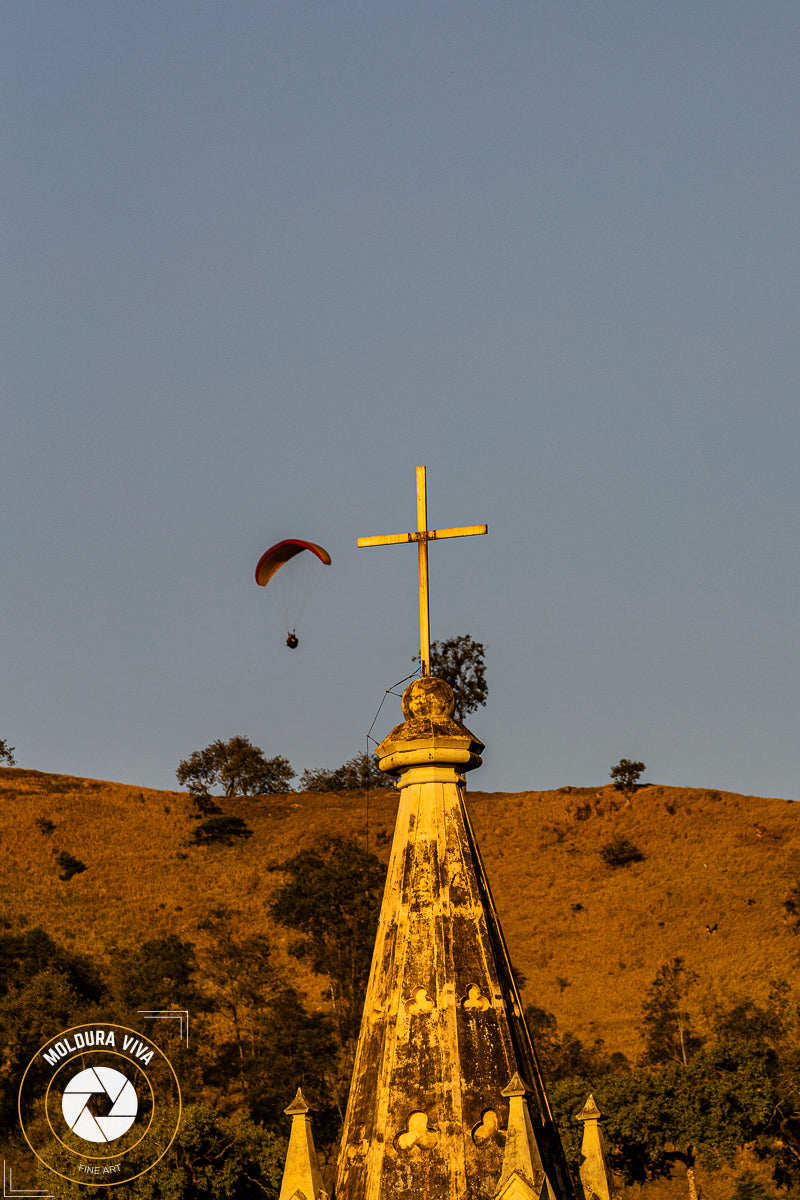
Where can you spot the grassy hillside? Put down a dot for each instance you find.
(588, 937)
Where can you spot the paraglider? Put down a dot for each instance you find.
(295, 566)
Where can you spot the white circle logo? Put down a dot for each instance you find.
(102, 1081)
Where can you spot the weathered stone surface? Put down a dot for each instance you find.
(442, 1032)
(595, 1172)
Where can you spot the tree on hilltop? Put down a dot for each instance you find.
(238, 767)
(626, 775)
(7, 753)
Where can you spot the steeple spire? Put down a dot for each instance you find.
(431, 1114)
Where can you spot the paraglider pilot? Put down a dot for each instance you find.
(292, 640)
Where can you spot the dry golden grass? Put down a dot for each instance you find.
(589, 938)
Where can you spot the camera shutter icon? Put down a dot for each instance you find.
(102, 1081)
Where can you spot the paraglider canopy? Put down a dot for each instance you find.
(274, 558)
(295, 582)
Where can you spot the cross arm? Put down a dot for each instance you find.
(424, 535)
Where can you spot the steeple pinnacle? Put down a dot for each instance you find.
(302, 1179)
(595, 1172)
(523, 1176)
(430, 1108)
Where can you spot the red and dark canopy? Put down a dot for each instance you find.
(274, 558)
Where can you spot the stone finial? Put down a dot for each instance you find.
(516, 1087)
(298, 1105)
(595, 1173)
(523, 1176)
(429, 735)
(302, 1178)
(428, 697)
(590, 1111)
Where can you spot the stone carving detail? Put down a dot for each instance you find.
(487, 1129)
(419, 1002)
(417, 1133)
(475, 1001)
(376, 1015)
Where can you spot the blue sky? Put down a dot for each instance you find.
(260, 260)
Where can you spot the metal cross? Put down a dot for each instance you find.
(422, 535)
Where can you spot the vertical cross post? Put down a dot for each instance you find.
(422, 560)
(422, 535)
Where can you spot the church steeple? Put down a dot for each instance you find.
(431, 1114)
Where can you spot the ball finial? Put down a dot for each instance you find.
(428, 697)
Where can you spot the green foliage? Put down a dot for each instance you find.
(332, 896)
(766, 1025)
(218, 1158)
(220, 830)
(213, 1157)
(241, 969)
(7, 753)
(460, 662)
(160, 973)
(68, 864)
(689, 1103)
(626, 775)
(267, 1037)
(29, 1015)
(770, 1030)
(747, 1187)
(620, 852)
(204, 805)
(238, 767)
(567, 1096)
(359, 774)
(26, 955)
(703, 1102)
(703, 1111)
(244, 981)
(43, 988)
(290, 1044)
(669, 1036)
